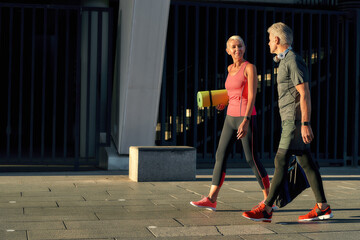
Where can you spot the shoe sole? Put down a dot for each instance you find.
(258, 219)
(323, 217)
(208, 208)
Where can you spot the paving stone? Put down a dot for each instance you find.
(223, 213)
(149, 215)
(216, 237)
(121, 224)
(12, 211)
(15, 204)
(72, 210)
(41, 199)
(243, 229)
(46, 194)
(183, 231)
(220, 221)
(9, 195)
(348, 235)
(274, 237)
(104, 203)
(18, 225)
(97, 239)
(336, 225)
(292, 227)
(59, 217)
(13, 235)
(150, 207)
(87, 233)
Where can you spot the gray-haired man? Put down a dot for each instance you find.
(296, 135)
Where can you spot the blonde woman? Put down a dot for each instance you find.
(240, 123)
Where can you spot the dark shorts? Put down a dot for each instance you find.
(291, 136)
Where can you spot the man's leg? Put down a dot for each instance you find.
(313, 175)
(281, 166)
(322, 210)
(264, 211)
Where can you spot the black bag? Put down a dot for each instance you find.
(294, 184)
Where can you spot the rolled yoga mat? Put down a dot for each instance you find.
(212, 98)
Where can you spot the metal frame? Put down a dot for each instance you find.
(44, 95)
(316, 38)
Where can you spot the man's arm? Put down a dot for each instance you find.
(305, 106)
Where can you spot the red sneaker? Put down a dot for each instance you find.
(205, 203)
(317, 214)
(258, 214)
(274, 207)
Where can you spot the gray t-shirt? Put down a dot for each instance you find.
(292, 71)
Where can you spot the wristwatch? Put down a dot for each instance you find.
(247, 118)
(305, 124)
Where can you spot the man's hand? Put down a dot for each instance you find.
(307, 134)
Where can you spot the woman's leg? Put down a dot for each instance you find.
(226, 141)
(249, 143)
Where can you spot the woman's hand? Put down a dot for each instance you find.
(243, 129)
(220, 107)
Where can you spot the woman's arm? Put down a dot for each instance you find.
(251, 75)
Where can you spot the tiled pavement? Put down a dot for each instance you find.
(107, 205)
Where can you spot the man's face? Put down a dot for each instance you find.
(272, 43)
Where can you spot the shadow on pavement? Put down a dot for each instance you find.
(329, 221)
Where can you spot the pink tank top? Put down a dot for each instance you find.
(236, 86)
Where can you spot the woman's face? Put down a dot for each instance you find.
(236, 49)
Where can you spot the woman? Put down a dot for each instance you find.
(241, 84)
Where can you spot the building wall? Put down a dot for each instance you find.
(139, 60)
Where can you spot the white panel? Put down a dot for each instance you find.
(143, 36)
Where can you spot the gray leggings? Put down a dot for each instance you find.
(227, 140)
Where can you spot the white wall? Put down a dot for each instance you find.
(140, 49)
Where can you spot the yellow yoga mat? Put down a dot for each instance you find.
(212, 98)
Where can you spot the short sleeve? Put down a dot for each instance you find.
(298, 71)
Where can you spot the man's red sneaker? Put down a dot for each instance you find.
(205, 203)
(258, 214)
(274, 207)
(317, 214)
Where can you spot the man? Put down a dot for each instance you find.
(296, 135)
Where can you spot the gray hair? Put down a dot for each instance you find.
(283, 32)
(235, 37)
